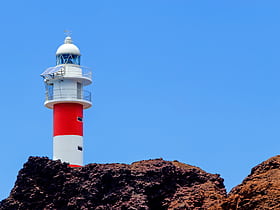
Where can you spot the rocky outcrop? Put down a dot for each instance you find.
(149, 184)
(259, 191)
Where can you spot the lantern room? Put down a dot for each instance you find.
(68, 53)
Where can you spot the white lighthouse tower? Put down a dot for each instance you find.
(65, 94)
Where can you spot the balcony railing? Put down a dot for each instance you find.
(60, 71)
(68, 94)
(86, 72)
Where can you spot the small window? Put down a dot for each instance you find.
(79, 90)
(80, 148)
(80, 119)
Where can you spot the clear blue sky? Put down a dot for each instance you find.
(194, 81)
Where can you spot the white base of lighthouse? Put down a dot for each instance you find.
(68, 148)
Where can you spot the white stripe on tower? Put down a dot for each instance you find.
(68, 148)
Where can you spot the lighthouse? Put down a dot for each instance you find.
(65, 95)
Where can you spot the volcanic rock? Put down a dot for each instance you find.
(259, 191)
(150, 184)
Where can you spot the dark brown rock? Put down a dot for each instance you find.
(149, 184)
(259, 191)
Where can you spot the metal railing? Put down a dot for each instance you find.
(86, 72)
(68, 94)
(59, 71)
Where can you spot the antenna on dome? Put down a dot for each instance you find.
(67, 32)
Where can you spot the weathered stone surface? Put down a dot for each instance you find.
(149, 184)
(259, 191)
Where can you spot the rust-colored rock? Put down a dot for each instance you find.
(149, 184)
(259, 191)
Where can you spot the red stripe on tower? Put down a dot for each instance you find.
(68, 119)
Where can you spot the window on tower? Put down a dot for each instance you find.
(49, 91)
(67, 59)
